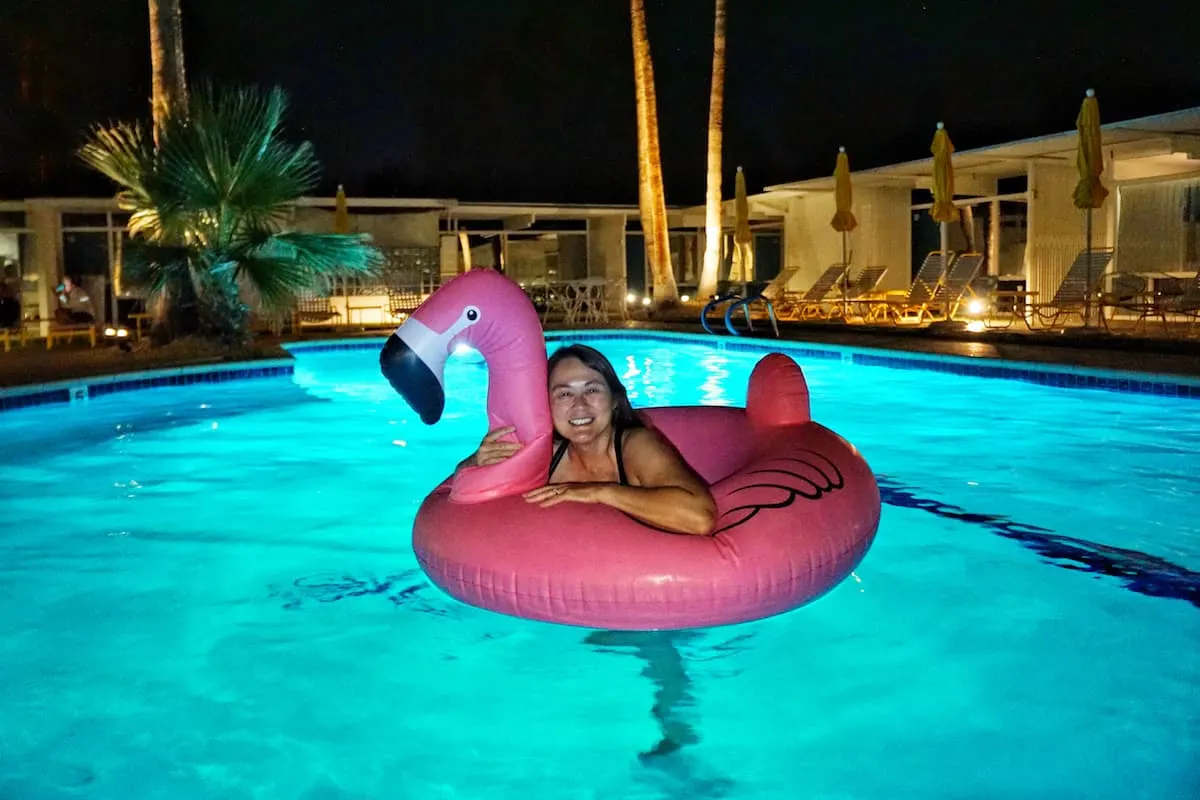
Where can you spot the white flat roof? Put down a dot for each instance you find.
(1174, 136)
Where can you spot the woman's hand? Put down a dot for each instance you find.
(492, 450)
(554, 493)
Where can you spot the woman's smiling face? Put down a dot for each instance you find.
(581, 404)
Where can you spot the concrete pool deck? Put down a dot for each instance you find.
(32, 365)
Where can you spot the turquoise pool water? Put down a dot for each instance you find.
(208, 592)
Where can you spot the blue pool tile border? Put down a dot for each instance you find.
(65, 391)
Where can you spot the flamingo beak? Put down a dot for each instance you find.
(417, 380)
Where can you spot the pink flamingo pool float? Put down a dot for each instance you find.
(797, 505)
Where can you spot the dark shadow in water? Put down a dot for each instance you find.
(664, 666)
(1139, 572)
(407, 590)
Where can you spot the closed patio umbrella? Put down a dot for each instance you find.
(843, 218)
(341, 213)
(743, 240)
(1089, 192)
(944, 210)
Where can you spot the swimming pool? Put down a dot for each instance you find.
(207, 592)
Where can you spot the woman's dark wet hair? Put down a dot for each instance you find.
(624, 417)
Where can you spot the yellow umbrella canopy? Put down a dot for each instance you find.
(843, 219)
(341, 213)
(741, 207)
(943, 209)
(743, 239)
(1089, 192)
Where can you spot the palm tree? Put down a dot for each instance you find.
(209, 204)
(712, 197)
(651, 193)
(167, 76)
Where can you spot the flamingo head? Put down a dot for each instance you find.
(482, 309)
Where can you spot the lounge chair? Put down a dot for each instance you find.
(403, 300)
(864, 289)
(920, 295)
(316, 310)
(955, 286)
(813, 303)
(1081, 283)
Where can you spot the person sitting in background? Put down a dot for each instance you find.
(74, 305)
(10, 306)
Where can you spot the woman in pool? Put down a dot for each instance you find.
(604, 454)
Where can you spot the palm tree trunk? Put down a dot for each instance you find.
(168, 83)
(712, 198)
(651, 194)
(167, 77)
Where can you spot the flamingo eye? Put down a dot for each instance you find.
(472, 314)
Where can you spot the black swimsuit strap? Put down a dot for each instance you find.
(621, 479)
(558, 456)
(562, 451)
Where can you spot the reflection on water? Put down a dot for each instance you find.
(629, 378)
(713, 388)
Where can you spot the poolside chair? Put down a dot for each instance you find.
(955, 286)
(316, 310)
(920, 294)
(1131, 294)
(403, 300)
(1146, 304)
(812, 303)
(1187, 304)
(864, 289)
(1082, 281)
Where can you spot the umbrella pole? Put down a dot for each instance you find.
(845, 279)
(945, 244)
(1087, 297)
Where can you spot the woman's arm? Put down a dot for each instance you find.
(665, 491)
(491, 450)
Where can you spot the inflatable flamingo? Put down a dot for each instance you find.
(797, 505)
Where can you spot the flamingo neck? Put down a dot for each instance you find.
(516, 397)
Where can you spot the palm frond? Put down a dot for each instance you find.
(328, 253)
(152, 267)
(277, 267)
(125, 154)
(209, 203)
(228, 156)
(273, 283)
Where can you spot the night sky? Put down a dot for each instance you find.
(532, 100)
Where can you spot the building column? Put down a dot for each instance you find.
(606, 257)
(447, 256)
(45, 220)
(1112, 211)
(993, 258)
